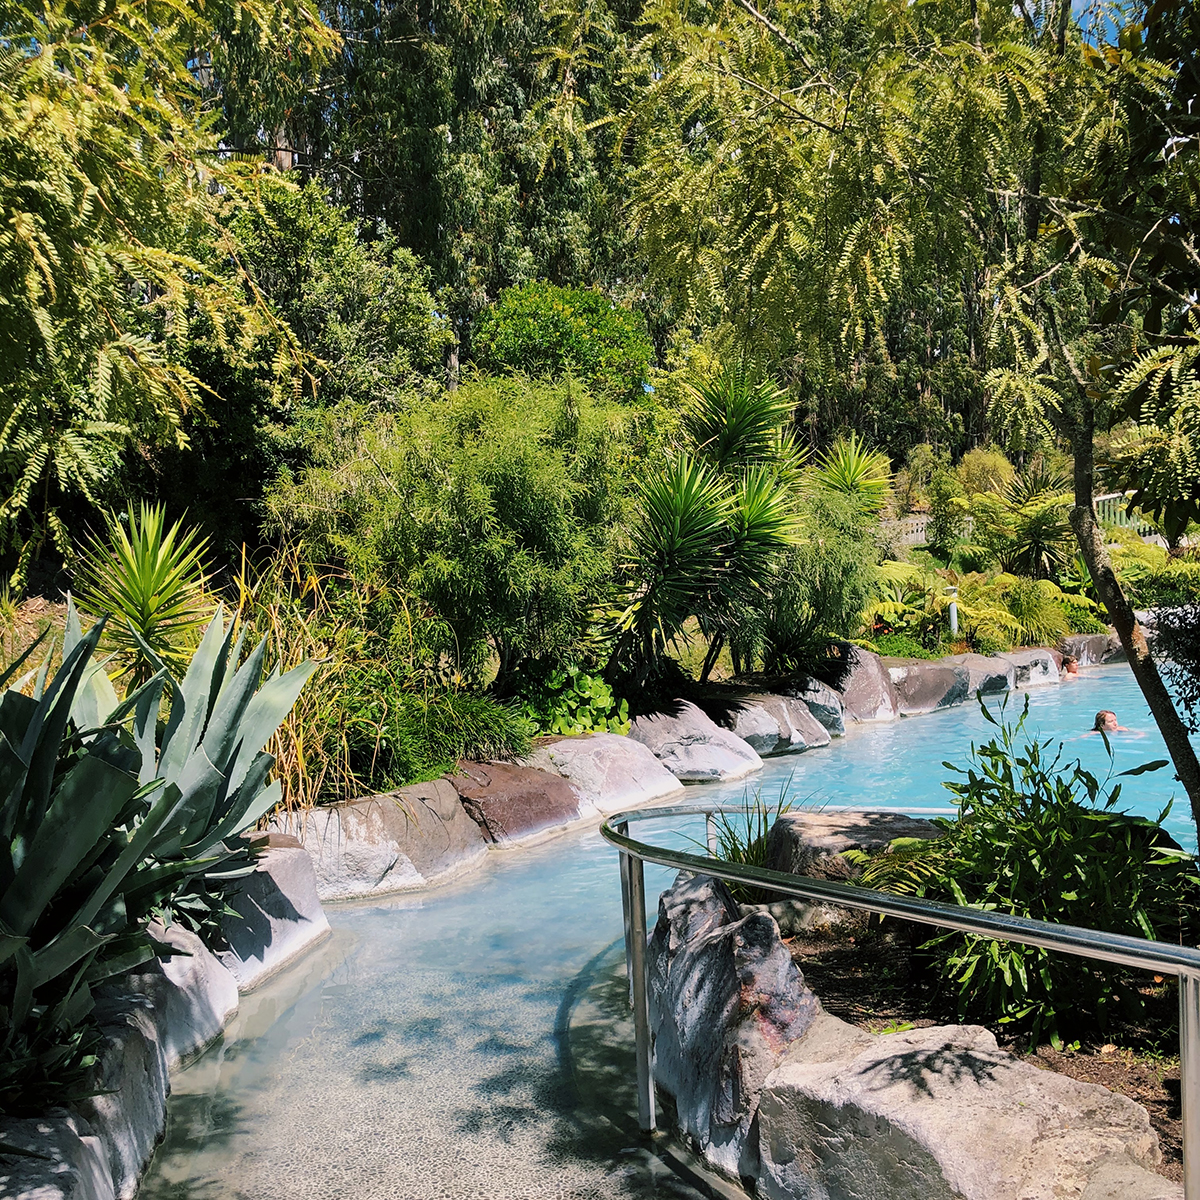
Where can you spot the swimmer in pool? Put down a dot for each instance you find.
(1106, 722)
(1070, 667)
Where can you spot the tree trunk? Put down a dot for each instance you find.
(1133, 637)
(710, 658)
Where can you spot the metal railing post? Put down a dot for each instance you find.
(633, 894)
(1189, 1080)
(710, 833)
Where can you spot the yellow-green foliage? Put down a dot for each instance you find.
(985, 469)
(111, 177)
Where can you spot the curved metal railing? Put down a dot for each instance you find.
(1162, 958)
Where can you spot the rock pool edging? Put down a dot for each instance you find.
(154, 1020)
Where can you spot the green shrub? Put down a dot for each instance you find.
(401, 737)
(541, 329)
(901, 645)
(947, 517)
(568, 700)
(984, 469)
(487, 517)
(1083, 620)
(1037, 605)
(1038, 836)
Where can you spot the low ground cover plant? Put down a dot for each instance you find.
(1039, 836)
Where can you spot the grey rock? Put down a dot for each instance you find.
(923, 686)
(866, 688)
(986, 676)
(943, 1114)
(279, 917)
(396, 842)
(823, 702)
(74, 1165)
(693, 747)
(812, 843)
(607, 772)
(776, 724)
(1035, 666)
(194, 995)
(726, 1001)
(1093, 649)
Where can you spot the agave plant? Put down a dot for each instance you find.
(151, 580)
(851, 468)
(105, 820)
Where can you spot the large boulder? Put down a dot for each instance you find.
(608, 773)
(693, 747)
(1092, 649)
(986, 675)
(726, 1001)
(812, 843)
(923, 686)
(943, 1114)
(775, 724)
(278, 915)
(390, 843)
(866, 688)
(823, 702)
(511, 803)
(1035, 666)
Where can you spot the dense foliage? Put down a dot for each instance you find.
(540, 329)
(1038, 836)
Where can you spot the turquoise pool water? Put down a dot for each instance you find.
(470, 1042)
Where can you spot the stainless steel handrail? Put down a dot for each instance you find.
(1159, 957)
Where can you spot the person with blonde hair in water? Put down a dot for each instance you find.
(1106, 722)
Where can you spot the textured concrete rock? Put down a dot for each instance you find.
(510, 803)
(194, 994)
(866, 688)
(776, 724)
(607, 772)
(1092, 649)
(73, 1166)
(152, 1020)
(923, 686)
(1036, 666)
(986, 676)
(823, 702)
(726, 1001)
(812, 843)
(943, 1114)
(693, 747)
(390, 843)
(279, 917)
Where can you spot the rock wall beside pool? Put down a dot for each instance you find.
(152, 1021)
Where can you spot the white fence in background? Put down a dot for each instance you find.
(1110, 508)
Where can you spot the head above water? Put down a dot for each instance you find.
(1106, 721)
